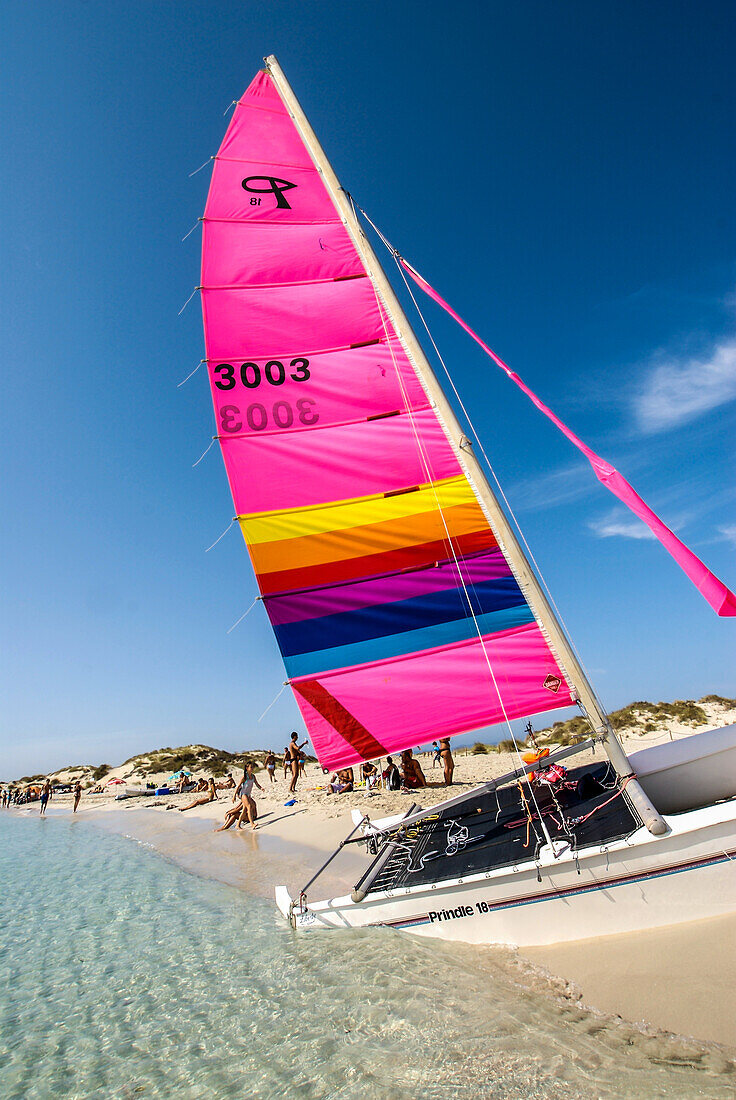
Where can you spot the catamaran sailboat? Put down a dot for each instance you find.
(402, 600)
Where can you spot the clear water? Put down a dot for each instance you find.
(123, 976)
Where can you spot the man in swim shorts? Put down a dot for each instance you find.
(45, 796)
(294, 759)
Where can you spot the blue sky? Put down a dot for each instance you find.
(563, 174)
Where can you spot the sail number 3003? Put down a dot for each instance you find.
(274, 372)
(259, 416)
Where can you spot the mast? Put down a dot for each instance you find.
(462, 447)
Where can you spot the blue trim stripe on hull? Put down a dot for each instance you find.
(552, 895)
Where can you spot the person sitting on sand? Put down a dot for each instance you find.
(391, 775)
(369, 773)
(412, 774)
(228, 784)
(202, 785)
(447, 762)
(246, 805)
(341, 782)
(211, 796)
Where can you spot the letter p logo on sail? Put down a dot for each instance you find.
(273, 186)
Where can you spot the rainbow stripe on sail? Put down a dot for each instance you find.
(397, 615)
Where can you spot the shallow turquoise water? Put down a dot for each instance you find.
(123, 976)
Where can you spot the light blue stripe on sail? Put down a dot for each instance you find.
(412, 641)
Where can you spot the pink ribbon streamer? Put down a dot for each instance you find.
(720, 598)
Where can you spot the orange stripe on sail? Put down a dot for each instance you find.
(374, 538)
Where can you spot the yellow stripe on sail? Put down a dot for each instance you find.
(266, 527)
(374, 538)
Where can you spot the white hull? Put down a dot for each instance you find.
(694, 771)
(642, 882)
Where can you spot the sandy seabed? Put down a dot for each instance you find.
(680, 978)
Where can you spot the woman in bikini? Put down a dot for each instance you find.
(447, 762)
(211, 796)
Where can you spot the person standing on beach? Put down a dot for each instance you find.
(271, 766)
(77, 795)
(287, 763)
(45, 796)
(294, 751)
(447, 762)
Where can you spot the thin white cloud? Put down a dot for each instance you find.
(611, 527)
(561, 486)
(728, 532)
(677, 392)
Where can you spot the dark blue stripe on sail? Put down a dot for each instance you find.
(396, 617)
(411, 641)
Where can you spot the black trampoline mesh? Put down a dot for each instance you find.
(493, 829)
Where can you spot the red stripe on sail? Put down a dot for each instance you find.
(373, 565)
(340, 719)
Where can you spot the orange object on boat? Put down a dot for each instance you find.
(533, 757)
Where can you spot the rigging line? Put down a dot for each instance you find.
(393, 251)
(278, 694)
(502, 494)
(423, 458)
(214, 437)
(199, 364)
(481, 447)
(188, 300)
(198, 222)
(255, 601)
(200, 167)
(229, 107)
(395, 254)
(417, 438)
(450, 541)
(222, 536)
(425, 464)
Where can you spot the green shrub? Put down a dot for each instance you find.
(506, 746)
(479, 749)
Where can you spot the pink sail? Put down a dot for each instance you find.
(720, 598)
(398, 617)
